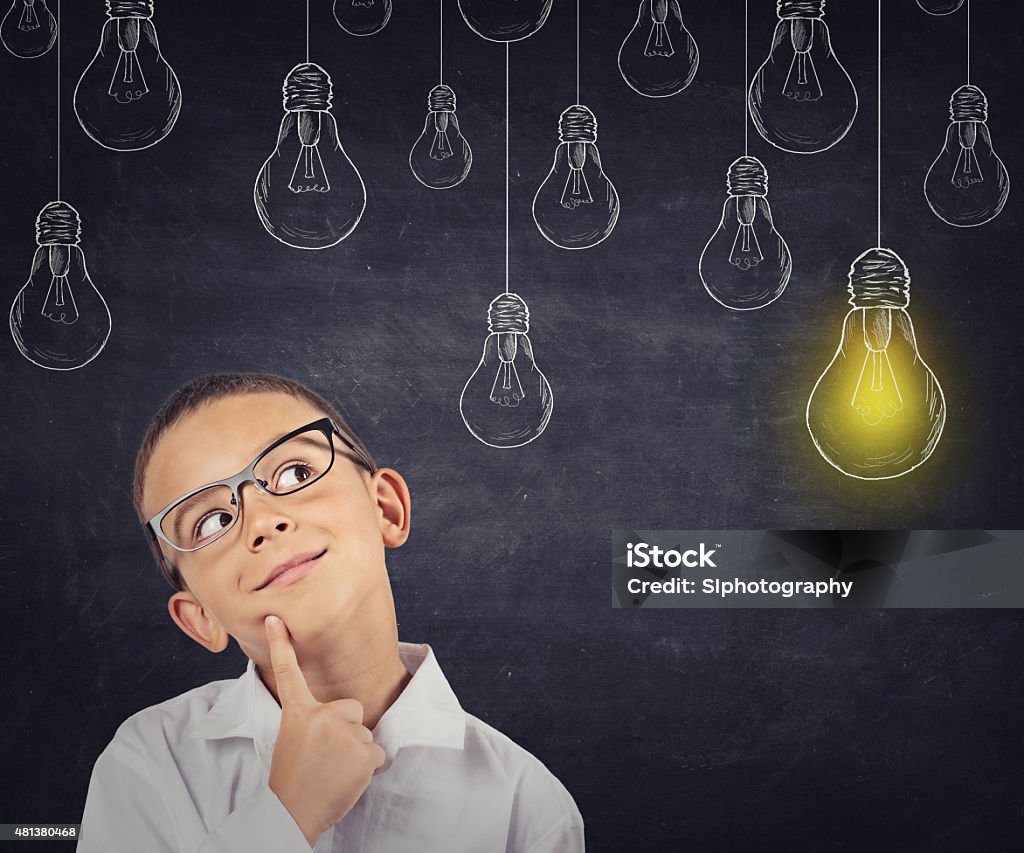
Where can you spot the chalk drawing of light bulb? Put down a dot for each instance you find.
(507, 402)
(746, 264)
(877, 411)
(362, 17)
(576, 206)
(441, 157)
(501, 20)
(659, 57)
(308, 193)
(128, 97)
(801, 99)
(29, 29)
(940, 7)
(59, 320)
(967, 184)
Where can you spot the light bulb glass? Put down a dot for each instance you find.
(877, 411)
(967, 184)
(362, 17)
(308, 193)
(746, 264)
(441, 158)
(940, 7)
(59, 320)
(801, 99)
(29, 29)
(507, 402)
(659, 57)
(128, 97)
(501, 20)
(576, 206)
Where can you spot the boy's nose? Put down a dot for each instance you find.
(263, 517)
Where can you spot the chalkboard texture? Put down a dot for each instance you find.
(708, 730)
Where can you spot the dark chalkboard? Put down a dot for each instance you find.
(716, 730)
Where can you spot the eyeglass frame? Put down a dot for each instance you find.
(325, 425)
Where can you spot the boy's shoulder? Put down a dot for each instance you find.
(496, 747)
(173, 721)
(498, 757)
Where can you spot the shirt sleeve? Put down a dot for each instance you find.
(545, 818)
(125, 812)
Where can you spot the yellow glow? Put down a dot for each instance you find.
(876, 413)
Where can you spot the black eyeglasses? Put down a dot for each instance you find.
(292, 463)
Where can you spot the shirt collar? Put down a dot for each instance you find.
(426, 713)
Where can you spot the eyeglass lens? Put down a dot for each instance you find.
(208, 514)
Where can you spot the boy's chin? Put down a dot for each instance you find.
(312, 617)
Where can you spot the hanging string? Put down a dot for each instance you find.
(746, 80)
(577, 51)
(307, 31)
(441, 73)
(968, 42)
(59, 21)
(879, 122)
(506, 167)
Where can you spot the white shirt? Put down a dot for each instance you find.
(190, 776)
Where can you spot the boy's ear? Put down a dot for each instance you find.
(189, 614)
(391, 494)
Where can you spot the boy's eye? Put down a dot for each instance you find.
(292, 475)
(212, 523)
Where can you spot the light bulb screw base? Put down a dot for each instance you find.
(441, 99)
(879, 279)
(508, 313)
(308, 87)
(800, 9)
(577, 124)
(129, 8)
(968, 103)
(58, 222)
(747, 176)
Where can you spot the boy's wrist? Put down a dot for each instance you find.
(304, 823)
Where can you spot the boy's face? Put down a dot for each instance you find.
(343, 520)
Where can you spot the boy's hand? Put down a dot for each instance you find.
(324, 756)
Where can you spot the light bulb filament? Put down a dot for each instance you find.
(124, 87)
(802, 81)
(507, 389)
(658, 42)
(877, 395)
(746, 251)
(967, 171)
(441, 149)
(128, 83)
(29, 21)
(59, 305)
(577, 190)
(309, 174)
(366, 3)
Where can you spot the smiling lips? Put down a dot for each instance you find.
(292, 570)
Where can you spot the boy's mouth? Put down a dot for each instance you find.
(291, 569)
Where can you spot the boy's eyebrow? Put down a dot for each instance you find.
(264, 445)
(183, 508)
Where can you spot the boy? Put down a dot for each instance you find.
(337, 737)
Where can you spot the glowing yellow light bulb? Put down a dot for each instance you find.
(877, 411)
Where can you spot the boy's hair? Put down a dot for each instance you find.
(190, 397)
